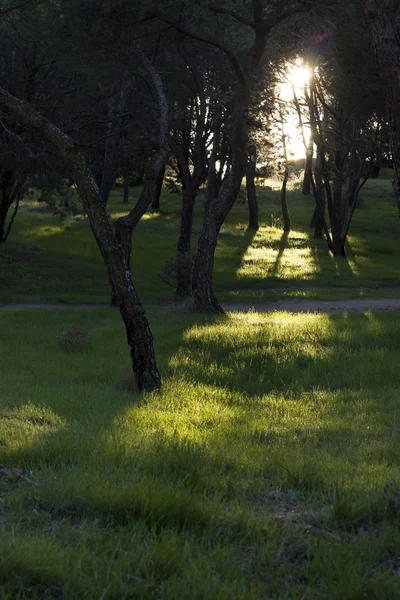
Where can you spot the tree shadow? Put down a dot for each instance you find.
(283, 244)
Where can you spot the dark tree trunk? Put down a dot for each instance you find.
(125, 198)
(125, 225)
(105, 189)
(8, 182)
(218, 210)
(285, 210)
(155, 203)
(336, 225)
(183, 257)
(203, 294)
(320, 202)
(251, 189)
(136, 325)
(245, 68)
(381, 18)
(306, 189)
(212, 189)
(284, 206)
(5, 204)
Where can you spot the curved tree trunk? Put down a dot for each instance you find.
(125, 225)
(136, 325)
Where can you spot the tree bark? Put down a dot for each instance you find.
(219, 208)
(317, 222)
(155, 203)
(10, 191)
(125, 225)
(381, 19)
(251, 189)
(203, 268)
(183, 257)
(125, 199)
(136, 325)
(306, 189)
(5, 205)
(285, 210)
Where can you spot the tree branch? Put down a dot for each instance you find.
(236, 65)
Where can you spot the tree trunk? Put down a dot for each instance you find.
(155, 203)
(183, 258)
(125, 199)
(136, 325)
(306, 189)
(203, 294)
(125, 225)
(320, 201)
(251, 189)
(5, 204)
(285, 211)
(218, 210)
(7, 197)
(381, 18)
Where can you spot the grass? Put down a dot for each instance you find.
(49, 260)
(267, 467)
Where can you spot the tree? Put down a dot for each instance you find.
(137, 328)
(381, 19)
(259, 22)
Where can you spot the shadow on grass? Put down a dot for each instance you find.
(260, 419)
(283, 244)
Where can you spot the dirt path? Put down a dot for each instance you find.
(357, 305)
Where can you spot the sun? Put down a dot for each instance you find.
(296, 76)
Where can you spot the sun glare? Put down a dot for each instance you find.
(296, 76)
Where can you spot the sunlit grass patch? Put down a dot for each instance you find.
(277, 256)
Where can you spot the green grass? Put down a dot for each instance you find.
(47, 260)
(261, 470)
(267, 467)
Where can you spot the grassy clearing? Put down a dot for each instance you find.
(47, 260)
(267, 467)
